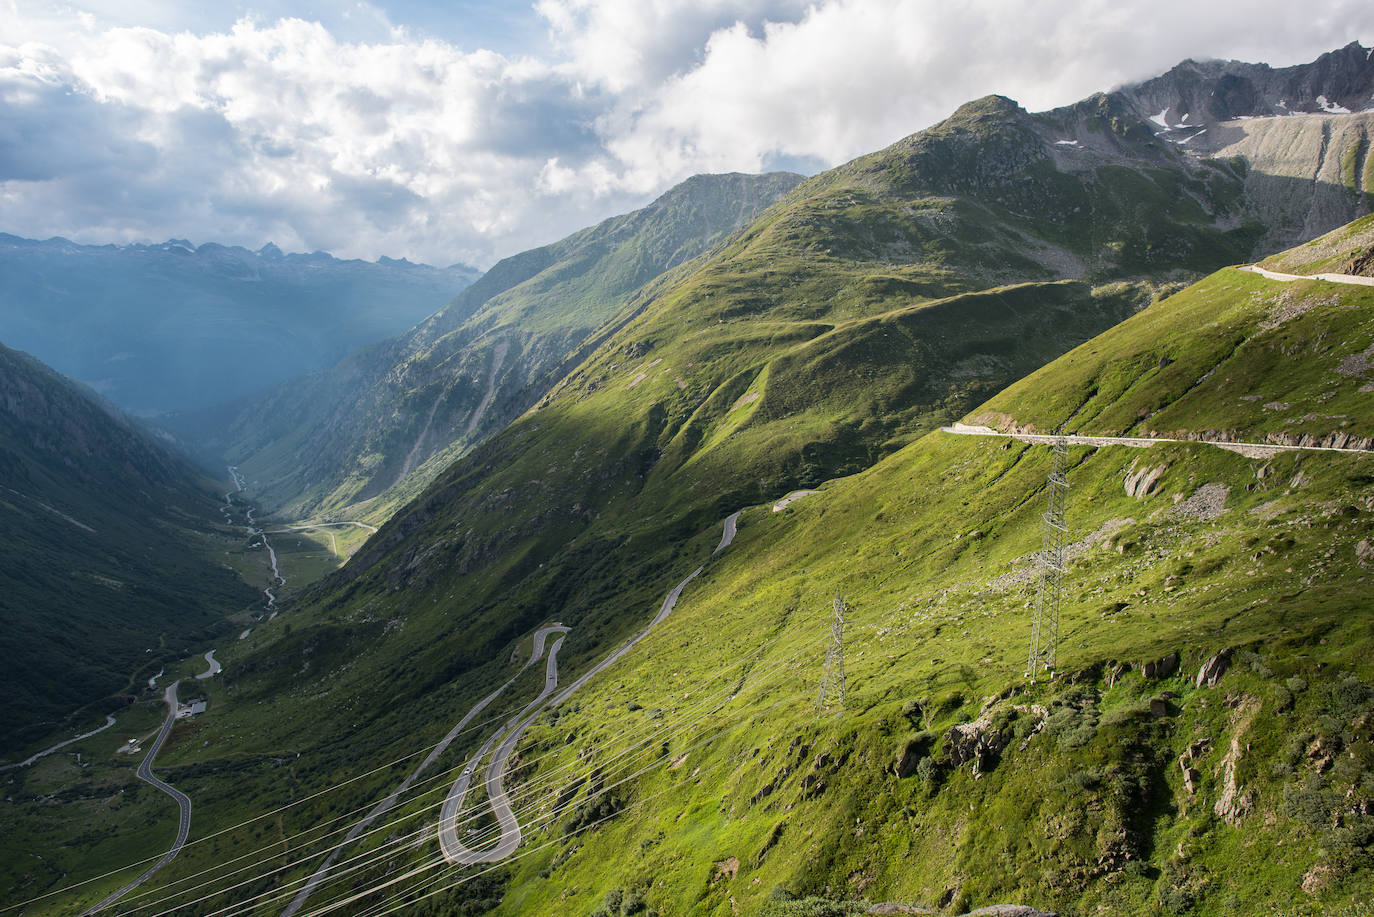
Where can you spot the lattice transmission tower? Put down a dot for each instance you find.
(831, 693)
(1044, 641)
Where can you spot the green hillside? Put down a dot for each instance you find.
(821, 346)
(105, 541)
(369, 434)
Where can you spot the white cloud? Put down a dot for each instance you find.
(383, 143)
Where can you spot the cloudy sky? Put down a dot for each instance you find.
(472, 129)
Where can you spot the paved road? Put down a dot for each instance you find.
(791, 498)
(145, 773)
(286, 529)
(1352, 279)
(109, 721)
(454, 850)
(540, 637)
(1141, 442)
(213, 663)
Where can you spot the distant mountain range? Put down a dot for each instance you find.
(175, 326)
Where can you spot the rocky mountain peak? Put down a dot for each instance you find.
(1196, 93)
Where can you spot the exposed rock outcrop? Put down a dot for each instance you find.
(1161, 668)
(1213, 669)
(1141, 483)
(978, 742)
(1234, 802)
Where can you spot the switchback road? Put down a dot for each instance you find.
(454, 851)
(540, 637)
(145, 773)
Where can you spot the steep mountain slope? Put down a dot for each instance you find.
(1305, 158)
(358, 430)
(1206, 748)
(174, 327)
(104, 539)
(828, 337)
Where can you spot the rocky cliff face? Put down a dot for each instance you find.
(1200, 93)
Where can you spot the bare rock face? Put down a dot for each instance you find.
(1364, 552)
(1161, 668)
(977, 742)
(1213, 669)
(1234, 802)
(1191, 777)
(1141, 483)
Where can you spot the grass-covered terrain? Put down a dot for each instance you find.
(821, 346)
(366, 436)
(109, 557)
(697, 777)
(1344, 252)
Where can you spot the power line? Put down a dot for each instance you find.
(832, 689)
(655, 732)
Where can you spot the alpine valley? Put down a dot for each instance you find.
(695, 557)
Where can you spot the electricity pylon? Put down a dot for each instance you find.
(1044, 642)
(832, 676)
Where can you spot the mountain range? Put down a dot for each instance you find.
(175, 326)
(701, 464)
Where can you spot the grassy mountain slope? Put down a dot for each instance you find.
(104, 539)
(829, 336)
(1344, 252)
(991, 196)
(1075, 799)
(355, 433)
(698, 778)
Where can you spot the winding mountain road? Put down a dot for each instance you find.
(453, 849)
(109, 721)
(214, 667)
(145, 773)
(321, 873)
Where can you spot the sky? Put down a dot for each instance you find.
(469, 130)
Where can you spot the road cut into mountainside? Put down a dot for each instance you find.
(214, 667)
(145, 773)
(452, 847)
(109, 721)
(1251, 450)
(1352, 279)
(322, 872)
(454, 850)
(791, 498)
